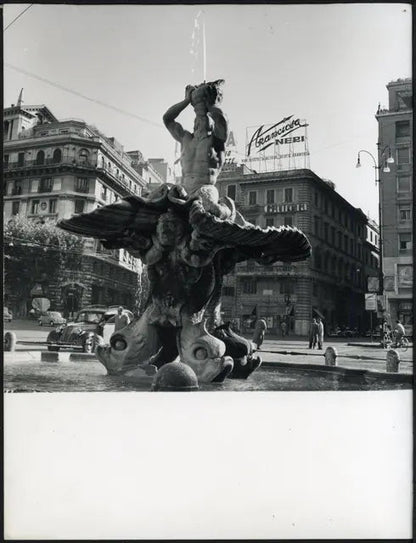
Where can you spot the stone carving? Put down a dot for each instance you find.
(392, 361)
(241, 350)
(189, 238)
(330, 355)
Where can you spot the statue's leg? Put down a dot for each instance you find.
(241, 351)
(203, 352)
(130, 347)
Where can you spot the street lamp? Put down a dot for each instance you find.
(383, 161)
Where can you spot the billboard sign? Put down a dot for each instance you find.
(279, 145)
(276, 134)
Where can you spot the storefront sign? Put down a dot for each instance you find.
(373, 284)
(371, 302)
(405, 276)
(285, 208)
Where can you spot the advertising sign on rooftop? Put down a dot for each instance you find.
(281, 145)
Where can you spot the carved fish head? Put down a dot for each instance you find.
(203, 352)
(129, 347)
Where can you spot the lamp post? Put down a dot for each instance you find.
(384, 162)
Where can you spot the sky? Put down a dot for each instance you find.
(326, 63)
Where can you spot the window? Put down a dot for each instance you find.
(249, 286)
(316, 199)
(52, 206)
(35, 207)
(45, 185)
(288, 220)
(325, 206)
(17, 188)
(345, 243)
(339, 240)
(270, 196)
(83, 156)
(326, 229)
(317, 226)
(352, 247)
(403, 184)
(402, 129)
(20, 159)
(405, 241)
(287, 287)
(232, 191)
(15, 208)
(57, 156)
(6, 160)
(405, 213)
(81, 184)
(403, 155)
(40, 157)
(288, 195)
(269, 221)
(79, 206)
(252, 197)
(318, 259)
(371, 235)
(228, 291)
(332, 235)
(104, 193)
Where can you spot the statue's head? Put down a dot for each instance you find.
(209, 93)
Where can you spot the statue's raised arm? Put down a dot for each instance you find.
(169, 118)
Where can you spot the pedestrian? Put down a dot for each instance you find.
(399, 332)
(320, 333)
(283, 326)
(387, 336)
(121, 319)
(313, 334)
(259, 332)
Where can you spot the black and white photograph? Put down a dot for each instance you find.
(213, 201)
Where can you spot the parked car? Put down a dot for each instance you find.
(86, 331)
(7, 315)
(51, 318)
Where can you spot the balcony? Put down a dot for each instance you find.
(46, 163)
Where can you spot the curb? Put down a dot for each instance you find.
(47, 356)
(352, 372)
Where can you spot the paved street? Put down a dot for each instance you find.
(273, 349)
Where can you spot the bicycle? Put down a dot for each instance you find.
(402, 344)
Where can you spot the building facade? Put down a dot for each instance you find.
(53, 169)
(331, 284)
(395, 124)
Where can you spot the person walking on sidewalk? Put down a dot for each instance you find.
(313, 334)
(121, 319)
(259, 332)
(320, 333)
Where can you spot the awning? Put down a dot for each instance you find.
(316, 312)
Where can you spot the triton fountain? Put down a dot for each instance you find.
(189, 238)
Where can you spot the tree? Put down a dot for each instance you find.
(37, 253)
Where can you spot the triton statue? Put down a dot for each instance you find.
(189, 238)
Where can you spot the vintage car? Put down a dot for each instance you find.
(7, 315)
(51, 318)
(91, 327)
